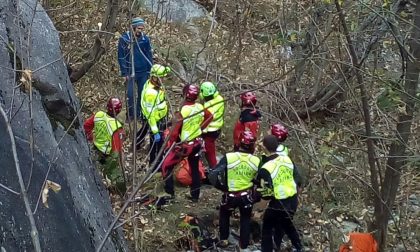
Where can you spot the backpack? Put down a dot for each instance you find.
(183, 172)
(360, 242)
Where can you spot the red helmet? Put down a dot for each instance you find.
(191, 92)
(279, 131)
(247, 140)
(114, 106)
(248, 99)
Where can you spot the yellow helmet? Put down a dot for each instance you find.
(159, 70)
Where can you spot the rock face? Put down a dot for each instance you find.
(79, 214)
(179, 10)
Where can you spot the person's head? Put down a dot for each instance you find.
(138, 25)
(247, 141)
(207, 90)
(190, 92)
(114, 106)
(248, 99)
(158, 71)
(270, 143)
(278, 130)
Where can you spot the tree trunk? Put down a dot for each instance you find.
(396, 158)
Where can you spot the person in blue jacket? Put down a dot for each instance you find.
(143, 62)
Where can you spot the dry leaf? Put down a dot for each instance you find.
(49, 185)
(26, 79)
(143, 220)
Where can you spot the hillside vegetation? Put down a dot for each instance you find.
(341, 75)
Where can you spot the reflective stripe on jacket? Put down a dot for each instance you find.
(241, 170)
(191, 125)
(217, 111)
(153, 105)
(104, 128)
(281, 171)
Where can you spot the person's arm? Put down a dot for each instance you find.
(264, 159)
(237, 131)
(208, 117)
(149, 53)
(123, 56)
(117, 140)
(176, 129)
(150, 106)
(264, 179)
(219, 172)
(88, 126)
(265, 184)
(222, 164)
(297, 176)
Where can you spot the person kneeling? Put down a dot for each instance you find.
(107, 134)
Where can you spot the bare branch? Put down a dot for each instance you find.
(34, 230)
(9, 189)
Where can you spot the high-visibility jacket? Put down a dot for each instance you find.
(282, 150)
(153, 105)
(217, 110)
(193, 117)
(281, 171)
(241, 170)
(104, 128)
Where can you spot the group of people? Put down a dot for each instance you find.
(242, 176)
(245, 178)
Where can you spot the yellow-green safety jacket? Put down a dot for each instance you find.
(242, 168)
(153, 105)
(104, 127)
(191, 126)
(282, 150)
(217, 111)
(281, 171)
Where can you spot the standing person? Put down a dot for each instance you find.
(107, 134)
(234, 175)
(278, 185)
(248, 119)
(139, 44)
(281, 133)
(186, 133)
(214, 102)
(155, 110)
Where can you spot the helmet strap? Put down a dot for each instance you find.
(208, 98)
(155, 80)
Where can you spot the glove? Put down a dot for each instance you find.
(157, 137)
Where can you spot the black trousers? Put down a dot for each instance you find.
(278, 217)
(154, 147)
(228, 204)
